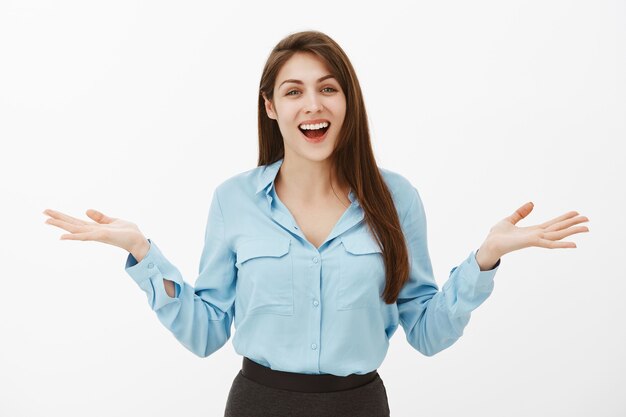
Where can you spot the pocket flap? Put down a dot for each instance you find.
(259, 247)
(360, 244)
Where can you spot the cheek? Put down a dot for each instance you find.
(338, 107)
(285, 108)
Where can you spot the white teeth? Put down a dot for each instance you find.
(314, 126)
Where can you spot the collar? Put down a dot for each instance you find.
(267, 176)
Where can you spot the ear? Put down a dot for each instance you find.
(269, 108)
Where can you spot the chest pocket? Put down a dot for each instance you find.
(265, 276)
(361, 272)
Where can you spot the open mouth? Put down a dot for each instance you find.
(315, 134)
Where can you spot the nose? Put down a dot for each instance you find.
(313, 104)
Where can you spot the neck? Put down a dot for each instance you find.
(311, 182)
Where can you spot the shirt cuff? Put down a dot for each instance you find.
(153, 265)
(471, 273)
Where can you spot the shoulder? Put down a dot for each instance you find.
(240, 185)
(403, 191)
(241, 179)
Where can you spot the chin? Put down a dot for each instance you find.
(314, 155)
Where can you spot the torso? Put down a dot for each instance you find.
(316, 221)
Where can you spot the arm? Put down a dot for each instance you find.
(433, 320)
(201, 317)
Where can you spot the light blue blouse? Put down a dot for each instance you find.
(298, 308)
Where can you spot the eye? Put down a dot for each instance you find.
(325, 88)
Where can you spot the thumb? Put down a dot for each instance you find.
(521, 212)
(99, 217)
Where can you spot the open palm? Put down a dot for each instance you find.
(506, 237)
(105, 229)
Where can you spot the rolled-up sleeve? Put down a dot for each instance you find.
(432, 319)
(199, 317)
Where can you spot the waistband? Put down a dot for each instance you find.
(291, 381)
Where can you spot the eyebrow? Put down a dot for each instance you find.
(325, 77)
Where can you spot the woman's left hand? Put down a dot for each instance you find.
(505, 237)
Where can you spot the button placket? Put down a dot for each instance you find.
(316, 265)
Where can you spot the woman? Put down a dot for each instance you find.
(317, 254)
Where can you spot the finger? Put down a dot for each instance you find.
(64, 217)
(99, 217)
(567, 223)
(70, 227)
(559, 219)
(521, 212)
(558, 235)
(78, 236)
(545, 243)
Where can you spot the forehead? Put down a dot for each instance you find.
(304, 66)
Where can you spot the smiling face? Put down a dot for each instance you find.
(305, 91)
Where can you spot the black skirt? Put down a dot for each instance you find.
(258, 391)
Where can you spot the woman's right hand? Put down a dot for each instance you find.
(105, 229)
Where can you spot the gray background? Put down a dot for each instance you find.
(139, 109)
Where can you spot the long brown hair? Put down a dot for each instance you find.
(353, 155)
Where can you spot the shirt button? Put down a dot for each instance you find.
(315, 303)
(150, 265)
(315, 259)
(295, 227)
(313, 346)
